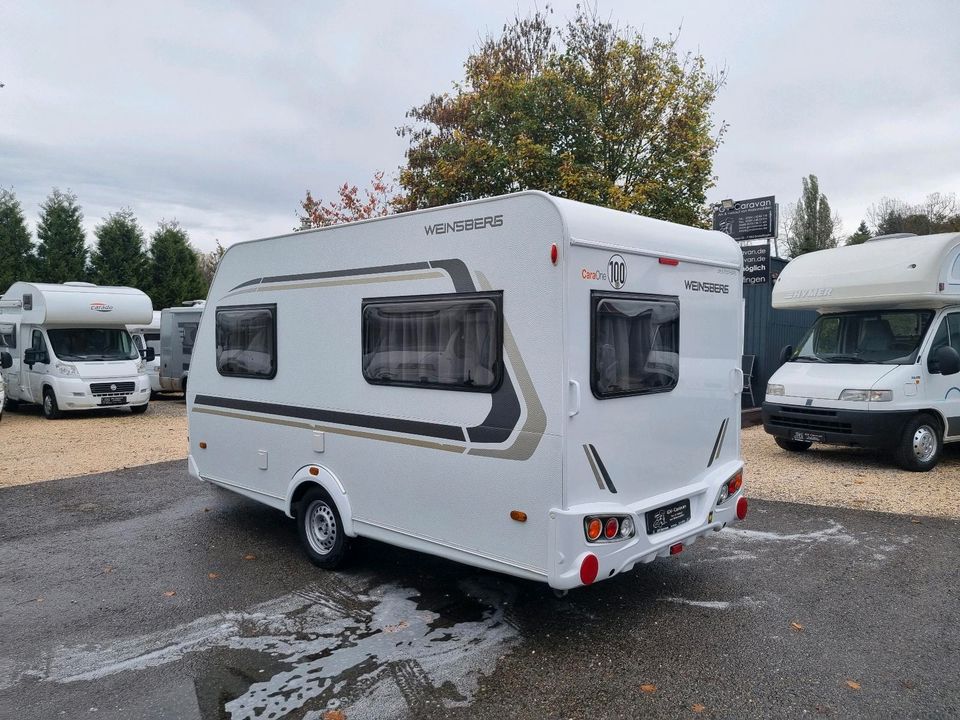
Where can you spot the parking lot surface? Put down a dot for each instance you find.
(141, 594)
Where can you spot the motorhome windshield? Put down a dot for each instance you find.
(91, 344)
(887, 337)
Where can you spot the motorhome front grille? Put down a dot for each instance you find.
(116, 388)
(809, 419)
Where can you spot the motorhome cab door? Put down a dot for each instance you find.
(652, 407)
(942, 390)
(31, 378)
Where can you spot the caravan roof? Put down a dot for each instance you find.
(897, 271)
(76, 304)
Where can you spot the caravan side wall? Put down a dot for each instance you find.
(433, 469)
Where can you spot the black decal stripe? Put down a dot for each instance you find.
(716, 443)
(376, 270)
(505, 408)
(373, 422)
(603, 470)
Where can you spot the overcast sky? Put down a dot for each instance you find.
(222, 115)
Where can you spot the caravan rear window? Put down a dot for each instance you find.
(450, 342)
(636, 344)
(247, 341)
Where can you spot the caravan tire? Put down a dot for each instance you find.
(51, 411)
(321, 530)
(920, 445)
(793, 445)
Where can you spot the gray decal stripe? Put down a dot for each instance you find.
(376, 270)
(603, 469)
(593, 466)
(718, 443)
(505, 408)
(373, 422)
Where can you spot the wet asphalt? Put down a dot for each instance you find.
(141, 594)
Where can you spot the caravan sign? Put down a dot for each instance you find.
(753, 219)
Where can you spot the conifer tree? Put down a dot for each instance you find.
(16, 247)
(174, 271)
(61, 252)
(119, 258)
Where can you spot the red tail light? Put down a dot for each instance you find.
(676, 549)
(741, 508)
(589, 568)
(735, 482)
(611, 528)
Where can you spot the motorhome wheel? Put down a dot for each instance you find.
(51, 411)
(920, 445)
(321, 530)
(793, 445)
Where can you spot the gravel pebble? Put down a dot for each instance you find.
(33, 449)
(849, 477)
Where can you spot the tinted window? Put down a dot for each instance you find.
(247, 341)
(452, 342)
(889, 337)
(92, 344)
(636, 344)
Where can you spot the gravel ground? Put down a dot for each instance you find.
(849, 477)
(93, 441)
(35, 449)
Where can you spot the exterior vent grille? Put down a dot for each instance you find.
(117, 388)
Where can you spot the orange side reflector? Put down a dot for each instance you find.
(594, 528)
(314, 471)
(203, 446)
(518, 515)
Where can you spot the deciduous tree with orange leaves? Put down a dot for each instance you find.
(351, 204)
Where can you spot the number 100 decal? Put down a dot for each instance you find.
(617, 271)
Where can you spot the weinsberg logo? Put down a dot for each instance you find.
(101, 307)
(456, 226)
(707, 287)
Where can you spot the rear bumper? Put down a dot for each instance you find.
(568, 546)
(861, 428)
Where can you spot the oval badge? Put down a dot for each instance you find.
(617, 271)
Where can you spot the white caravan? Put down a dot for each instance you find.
(526, 384)
(67, 346)
(148, 336)
(878, 369)
(178, 331)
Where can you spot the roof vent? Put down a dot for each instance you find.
(77, 283)
(892, 236)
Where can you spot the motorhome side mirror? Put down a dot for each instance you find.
(786, 353)
(149, 354)
(31, 357)
(6, 360)
(947, 360)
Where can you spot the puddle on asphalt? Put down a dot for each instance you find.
(379, 651)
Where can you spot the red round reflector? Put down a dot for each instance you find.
(611, 528)
(741, 508)
(589, 568)
(554, 253)
(676, 549)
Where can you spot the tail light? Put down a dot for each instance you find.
(608, 528)
(730, 488)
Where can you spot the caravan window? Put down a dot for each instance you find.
(8, 336)
(450, 342)
(636, 344)
(247, 341)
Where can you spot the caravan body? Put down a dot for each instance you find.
(526, 384)
(879, 367)
(148, 336)
(69, 348)
(178, 331)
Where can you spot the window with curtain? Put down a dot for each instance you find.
(450, 342)
(247, 341)
(636, 344)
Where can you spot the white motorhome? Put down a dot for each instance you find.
(66, 347)
(878, 369)
(526, 384)
(178, 332)
(148, 336)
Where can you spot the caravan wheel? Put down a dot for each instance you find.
(321, 530)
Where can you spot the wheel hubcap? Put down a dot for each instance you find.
(924, 443)
(48, 404)
(321, 527)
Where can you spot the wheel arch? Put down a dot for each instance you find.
(937, 415)
(304, 479)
